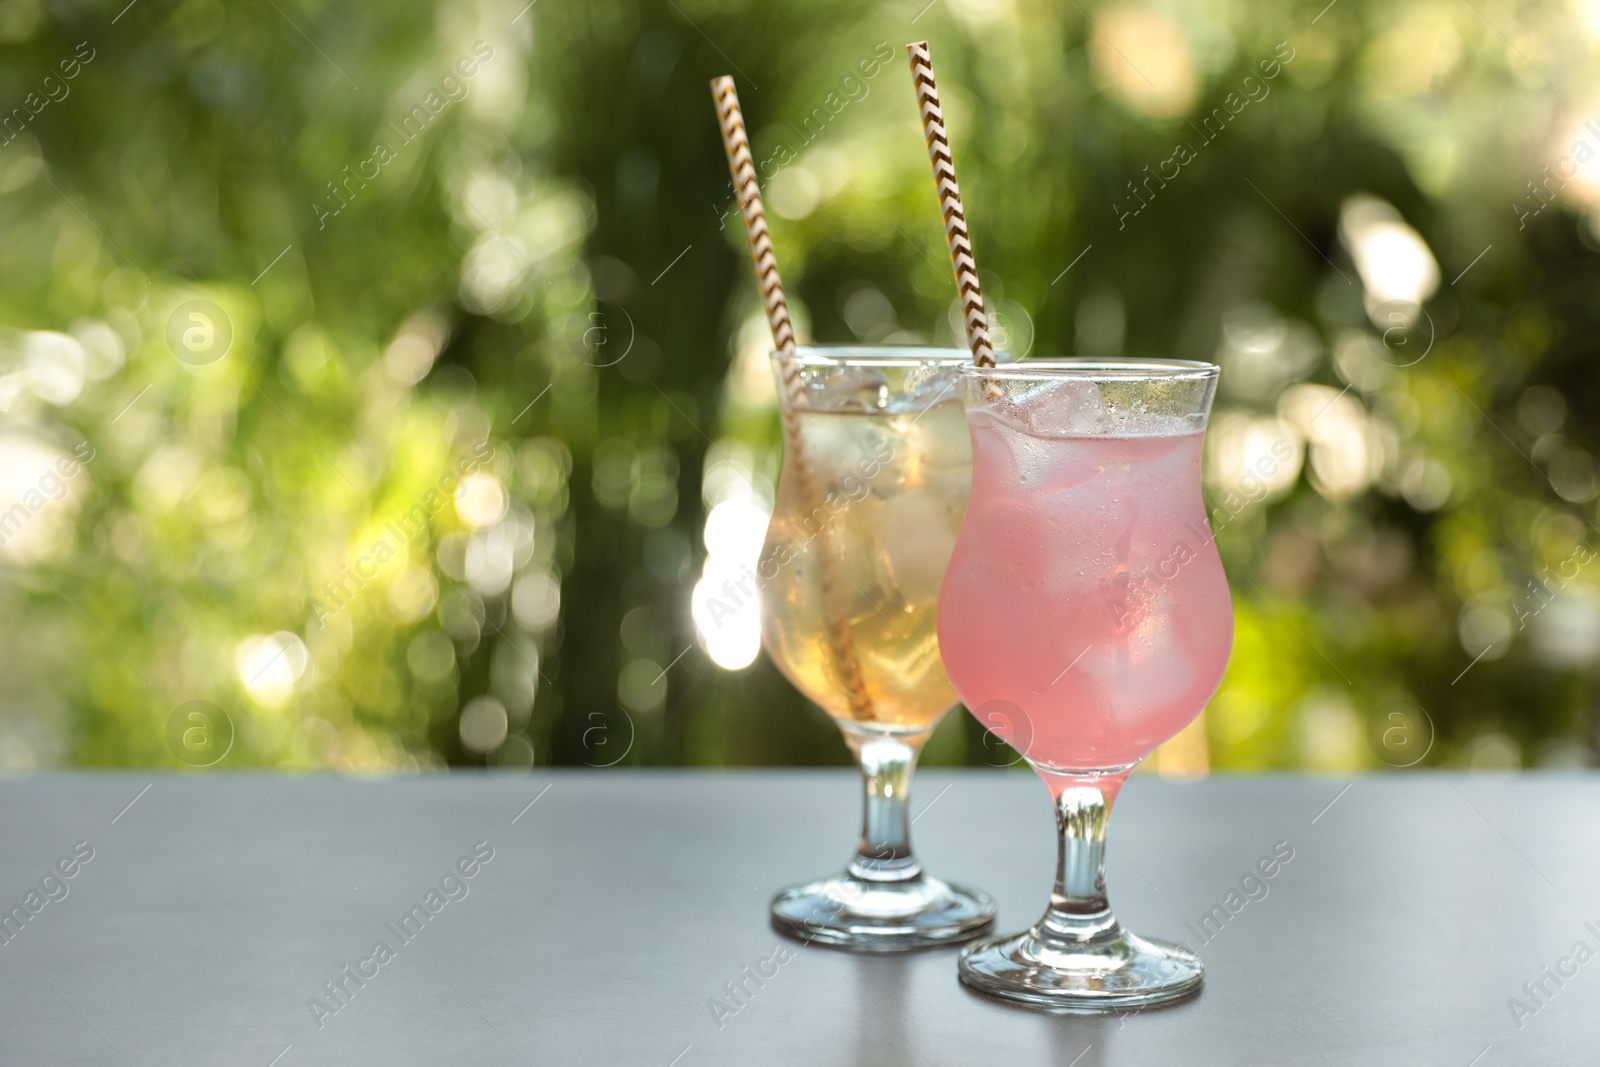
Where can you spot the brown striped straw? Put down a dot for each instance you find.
(742, 168)
(740, 165)
(955, 220)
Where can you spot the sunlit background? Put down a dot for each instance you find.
(387, 381)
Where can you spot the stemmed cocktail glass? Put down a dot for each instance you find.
(1085, 619)
(877, 467)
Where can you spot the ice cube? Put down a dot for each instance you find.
(848, 388)
(916, 536)
(1065, 408)
(925, 386)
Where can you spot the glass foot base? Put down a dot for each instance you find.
(1116, 972)
(882, 916)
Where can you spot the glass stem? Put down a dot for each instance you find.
(886, 765)
(1079, 912)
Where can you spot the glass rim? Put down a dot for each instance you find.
(877, 354)
(1098, 370)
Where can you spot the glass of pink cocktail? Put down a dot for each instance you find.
(1085, 619)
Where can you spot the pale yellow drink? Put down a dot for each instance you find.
(889, 493)
(876, 472)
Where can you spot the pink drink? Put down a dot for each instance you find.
(1084, 617)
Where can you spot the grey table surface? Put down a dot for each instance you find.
(617, 906)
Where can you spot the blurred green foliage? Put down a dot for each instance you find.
(475, 258)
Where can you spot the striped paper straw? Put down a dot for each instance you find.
(737, 146)
(955, 220)
(742, 168)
